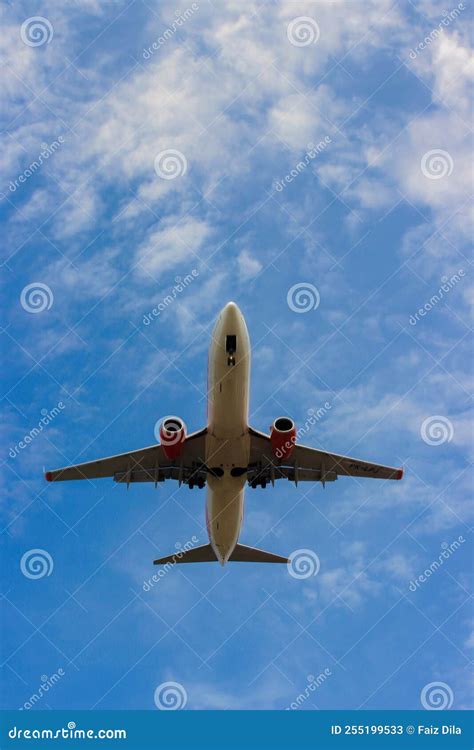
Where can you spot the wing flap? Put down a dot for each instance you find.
(270, 472)
(141, 465)
(310, 458)
(311, 464)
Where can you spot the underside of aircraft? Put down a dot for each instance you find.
(227, 454)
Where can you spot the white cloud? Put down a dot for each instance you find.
(181, 100)
(173, 243)
(453, 65)
(85, 277)
(447, 67)
(372, 193)
(248, 265)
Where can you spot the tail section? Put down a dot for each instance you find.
(241, 553)
(197, 554)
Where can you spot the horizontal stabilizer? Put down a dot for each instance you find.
(242, 553)
(197, 554)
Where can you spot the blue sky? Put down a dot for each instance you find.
(378, 220)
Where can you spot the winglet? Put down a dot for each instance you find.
(48, 475)
(399, 474)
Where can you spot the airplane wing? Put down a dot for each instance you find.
(144, 465)
(308, 464)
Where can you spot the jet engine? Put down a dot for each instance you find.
(283, 437)
(172, 436)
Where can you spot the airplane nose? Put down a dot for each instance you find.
(231, 313)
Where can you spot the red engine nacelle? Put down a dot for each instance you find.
(283, 437)
(172, 436)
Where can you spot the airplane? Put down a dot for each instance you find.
(227, 454)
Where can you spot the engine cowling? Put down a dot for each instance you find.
(283, 437)
(172, 436)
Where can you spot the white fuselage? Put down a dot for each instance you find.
(227, 441)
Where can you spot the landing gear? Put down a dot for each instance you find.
(199, 483)
(258, 483)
